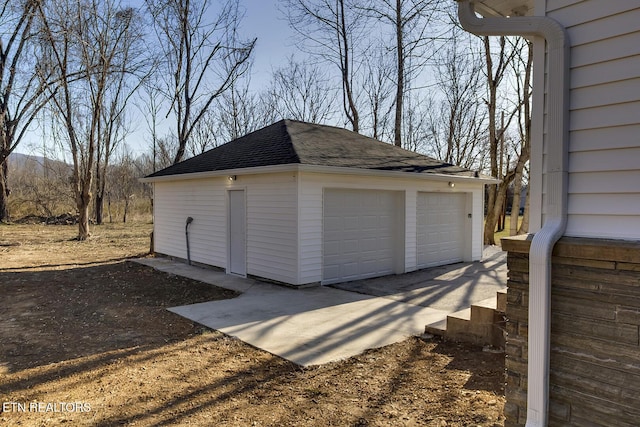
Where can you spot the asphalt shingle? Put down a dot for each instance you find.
(295, 142)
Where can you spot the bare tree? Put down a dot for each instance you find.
(458, 123)
(23, 81)
(524, 130)
(496, 69)
(301, 91)
(378, 87)
(203, 57)
(410, 23)
(40, 186)
(334, 31)
(87, 41)
(500, 155)
(128, 72)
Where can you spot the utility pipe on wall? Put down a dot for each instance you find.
(558, 55)
(186, 234)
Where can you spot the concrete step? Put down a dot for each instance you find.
(482, 323)
(502, 301)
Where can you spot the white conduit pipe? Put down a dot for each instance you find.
(556, 189)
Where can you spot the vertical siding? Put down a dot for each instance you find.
(272, 226)
(204, 201)
(604, 122)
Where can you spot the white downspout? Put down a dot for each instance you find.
(556, 189)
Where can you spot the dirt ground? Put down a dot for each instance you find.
(86, 340)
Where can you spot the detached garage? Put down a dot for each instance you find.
(303, 204)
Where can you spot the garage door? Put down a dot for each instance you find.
(440, 228)
(358, 234)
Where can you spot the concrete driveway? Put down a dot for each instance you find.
(450, 287)
(318, 325)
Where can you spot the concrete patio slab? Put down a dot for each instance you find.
(323, 324)
(312, 326)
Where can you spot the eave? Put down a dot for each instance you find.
(489, 8)
(320, 169)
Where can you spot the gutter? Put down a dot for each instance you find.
(556, 189)
(296, 167)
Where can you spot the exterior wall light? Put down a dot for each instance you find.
(452, 184)
(232, 178)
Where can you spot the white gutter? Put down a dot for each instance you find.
(556, 189)
(296, 167)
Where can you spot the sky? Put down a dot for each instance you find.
(275, 39)
(262, 20)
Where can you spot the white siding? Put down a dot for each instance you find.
(272, 225)
(310, 229)
(604, 144)
(271, 222)
(204, 201)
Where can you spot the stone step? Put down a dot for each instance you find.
(481, 324)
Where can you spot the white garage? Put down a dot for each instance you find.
(360, 237)
(308, 204)
(441, 228)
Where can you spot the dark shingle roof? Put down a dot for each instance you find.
(294, 142)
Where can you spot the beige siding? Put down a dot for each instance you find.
(204, 201)
(604, 144)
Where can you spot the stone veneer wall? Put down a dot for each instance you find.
(595, 339)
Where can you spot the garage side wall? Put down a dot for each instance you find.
(204, 201)
(272, 223)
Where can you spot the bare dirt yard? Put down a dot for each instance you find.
(85, 339)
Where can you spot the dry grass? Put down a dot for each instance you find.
(30, 246)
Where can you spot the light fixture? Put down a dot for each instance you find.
(232, 178)
(452, 184)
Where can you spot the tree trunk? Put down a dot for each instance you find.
(99, 208)
(4, 192)
(397, 131)
(126, 209)
(524, 227)
(83, 222)
(84, 200)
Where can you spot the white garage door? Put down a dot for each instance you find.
(440, 228)
(359, 236)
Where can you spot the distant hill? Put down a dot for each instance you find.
(36, 164)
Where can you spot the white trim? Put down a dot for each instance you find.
(294, 167)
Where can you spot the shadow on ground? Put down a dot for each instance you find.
(49, 316)
(449, 287)
(102, 335)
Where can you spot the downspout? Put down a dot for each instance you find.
(557, 109)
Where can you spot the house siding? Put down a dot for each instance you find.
(311, 190)
(204, 201)
(604, 142)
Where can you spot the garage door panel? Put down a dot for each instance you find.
(359, 234)
(440, 228)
